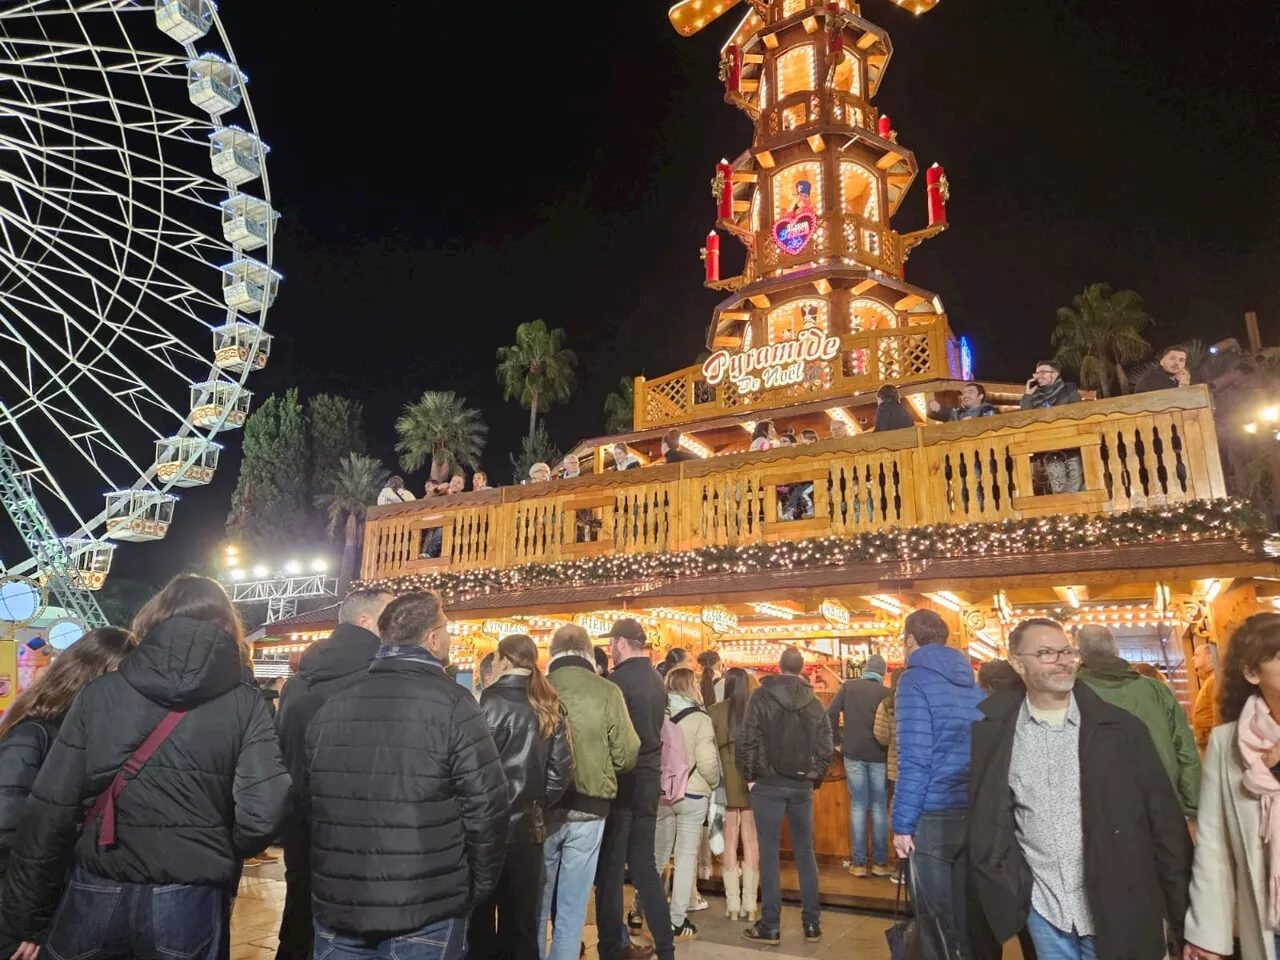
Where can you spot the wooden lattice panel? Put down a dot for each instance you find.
(666, 400)
(904, 356)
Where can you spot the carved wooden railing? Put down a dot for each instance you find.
(1143, 450)
(867, 359)
(809, 111)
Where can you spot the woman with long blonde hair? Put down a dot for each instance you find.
(679, 829)
(531, 732)
(175, 830)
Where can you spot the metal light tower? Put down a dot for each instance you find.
(281, 594)
(279, 587)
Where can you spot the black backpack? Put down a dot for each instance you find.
(790, 744)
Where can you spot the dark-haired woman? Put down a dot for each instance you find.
(710, 677)
(153, 871)
(1235, 882)
(31, 724)
(741, 875)
(764, 436)
(676, 657)
(532, 735)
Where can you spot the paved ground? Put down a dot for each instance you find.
(845, 933)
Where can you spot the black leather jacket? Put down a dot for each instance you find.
(538, 768)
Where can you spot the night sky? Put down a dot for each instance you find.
(443, 177)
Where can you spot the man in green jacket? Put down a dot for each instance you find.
(604, 744)
(1151, 701)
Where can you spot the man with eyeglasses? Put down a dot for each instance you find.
(406, 800)
(1074, 827)
(1046, 388)
(1063, 469)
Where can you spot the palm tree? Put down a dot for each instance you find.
(538, 448)
(440, 427)
(353, 488)
(619, 407)
(537, 370)
(1100, 333)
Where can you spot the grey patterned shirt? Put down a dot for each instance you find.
(1044, 776)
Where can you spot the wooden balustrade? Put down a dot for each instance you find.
(1144, 450)
(868, 358)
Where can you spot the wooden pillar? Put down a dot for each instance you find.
(955, 627)
(637, 403)
(1229, 610)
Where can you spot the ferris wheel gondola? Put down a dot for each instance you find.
(136, 247)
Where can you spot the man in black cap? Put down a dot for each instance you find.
(629, 830)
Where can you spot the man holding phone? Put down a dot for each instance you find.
(1063, 470)
(1046, 388)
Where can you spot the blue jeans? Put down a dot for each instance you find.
(445, 940)
(867, 790)
(101, 919)
(1054, 944)
(569, 855)
(940, 868)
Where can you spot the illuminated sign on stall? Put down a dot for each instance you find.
(835, 613)
(773, 365)
(594, 624)
(719, 619)
(502, 628)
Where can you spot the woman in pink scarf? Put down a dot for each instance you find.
(1235, 885)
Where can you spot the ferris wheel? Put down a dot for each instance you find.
(136, 235)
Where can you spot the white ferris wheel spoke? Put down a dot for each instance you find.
(111, 248)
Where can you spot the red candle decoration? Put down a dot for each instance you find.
(732, 71)
(835, 46)
(939, 192)
(724, 188)
(886, 128)
(711, 254)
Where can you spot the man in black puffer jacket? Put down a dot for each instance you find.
(327, 668)
(215, 791)
(406, 800)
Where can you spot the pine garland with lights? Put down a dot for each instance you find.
(1183, 523)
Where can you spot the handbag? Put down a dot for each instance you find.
(715, 819)
(918, 937)
(105, 806)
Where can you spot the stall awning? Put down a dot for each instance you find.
(543, 600)
(324, 618)
(1218, 558)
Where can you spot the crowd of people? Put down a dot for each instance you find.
(1054, 797)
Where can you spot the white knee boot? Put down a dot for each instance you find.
(732, 892)
(750, 885)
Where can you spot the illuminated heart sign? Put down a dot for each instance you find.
(792, 233)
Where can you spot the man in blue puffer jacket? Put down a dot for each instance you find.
(937, 704)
